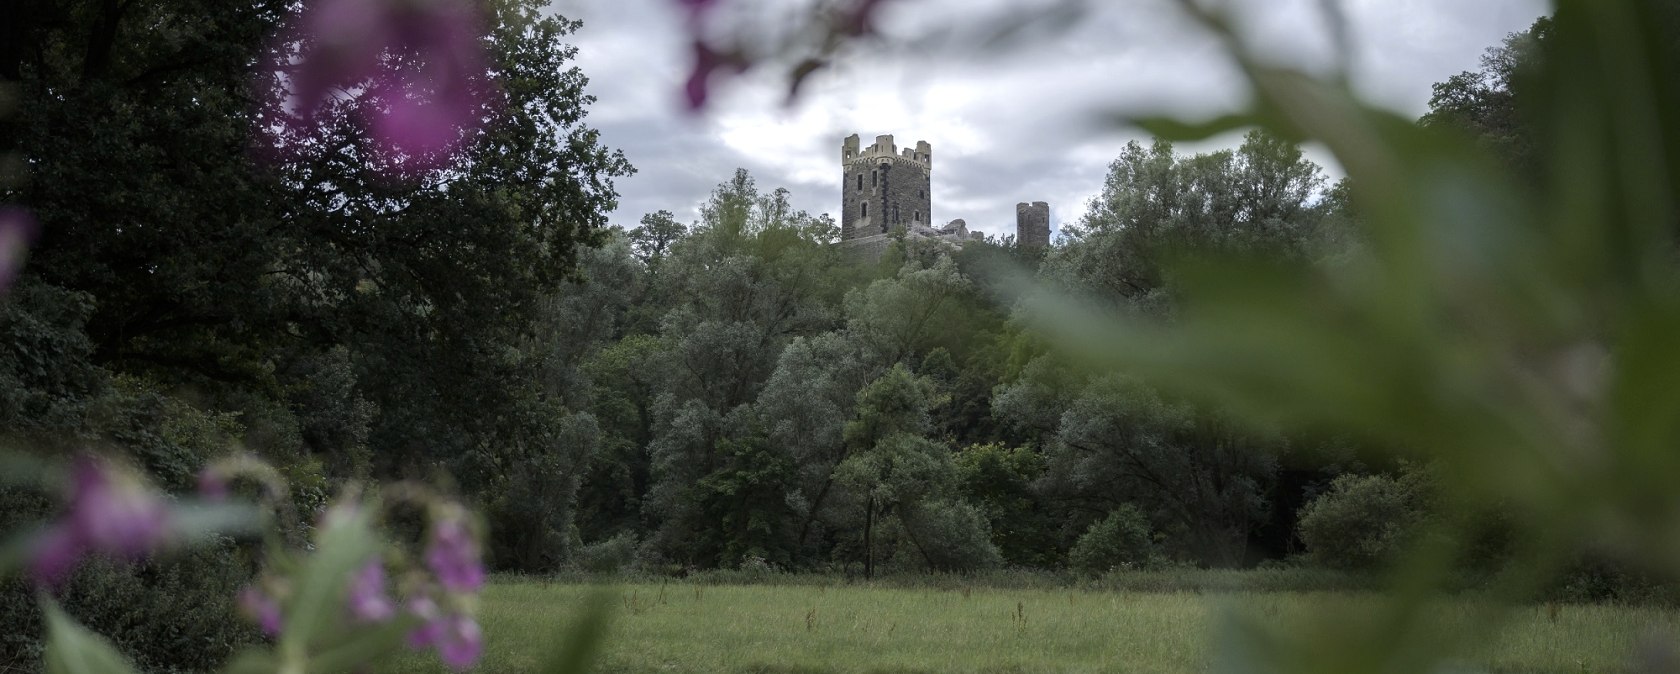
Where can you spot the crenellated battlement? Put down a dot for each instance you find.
(852, 150)
(886, 189)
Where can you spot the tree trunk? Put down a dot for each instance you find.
(868, 543)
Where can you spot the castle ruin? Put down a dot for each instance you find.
(884, 189)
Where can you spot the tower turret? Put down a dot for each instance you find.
(1032, 224)
(882, 187)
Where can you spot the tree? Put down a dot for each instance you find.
(653, 239)
(751, 278)
(1156, 205)
(1362, 521)
(352, 323)
(1485, 102)
(1117, 441)
(1121, 540)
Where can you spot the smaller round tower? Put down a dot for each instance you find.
(1032, 224)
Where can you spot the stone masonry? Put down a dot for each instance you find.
(1032, 224)
(884, 189)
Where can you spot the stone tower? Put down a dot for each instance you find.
(884, 188)
(1032, 224)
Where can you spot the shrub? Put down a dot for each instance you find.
(613, 555)
(951, 536)
(1359, 523)
(172, 614)
(1121, 540)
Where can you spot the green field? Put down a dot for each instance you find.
(680, 627)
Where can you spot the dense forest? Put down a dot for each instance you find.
(668, 397)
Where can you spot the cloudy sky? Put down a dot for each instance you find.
(1007, 125)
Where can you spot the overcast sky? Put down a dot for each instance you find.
(1004, 129)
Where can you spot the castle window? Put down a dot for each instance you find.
(875, 178)
(916, 216)
(860, 182)
(866, 209)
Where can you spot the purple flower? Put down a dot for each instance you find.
(697, 8)
(453, 555)
(368, 601)
(110, 512)
(417, 67)
(861, 20)
(213, 484)
(431, 627)
(707, 61)
(55, 555)
(455, 635)
(263, 608)
(460, 642)
(17, 229)
(113, 513)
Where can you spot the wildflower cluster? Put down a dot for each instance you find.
(110, 511)
(346, 586)
(434, 602)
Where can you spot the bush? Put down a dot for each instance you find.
(173, 614)
(1359, 523)
(614, 555)
(951, 536)
(1121, 540)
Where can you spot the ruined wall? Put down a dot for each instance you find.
(884, 187)
(1032, 224)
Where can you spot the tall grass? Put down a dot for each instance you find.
(681, 626)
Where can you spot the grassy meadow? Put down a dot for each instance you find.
(685, 627)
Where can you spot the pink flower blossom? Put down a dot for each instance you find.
(55, 555)
(861, 19)
(113, 512)
(110, 512)
(453, 555)
(368, 601)
(213, 484)
(431, 626)
(696, 8)
(17, 229)
(460, 642)
(417, 66)
(707, 61)
(262, 608)
(456, 636)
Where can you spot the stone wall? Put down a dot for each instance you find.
(884, 187)
(1032, 224)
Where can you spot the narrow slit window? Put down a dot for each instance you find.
(875, 178)
(860, 182)
(866, 209)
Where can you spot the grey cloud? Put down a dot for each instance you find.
(1022, 126)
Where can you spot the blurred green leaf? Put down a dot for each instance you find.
(578, 651)
(317, 608)
(195, 521)
(1169, 128)
(72, 649)
(253, 662)
(362, 646)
